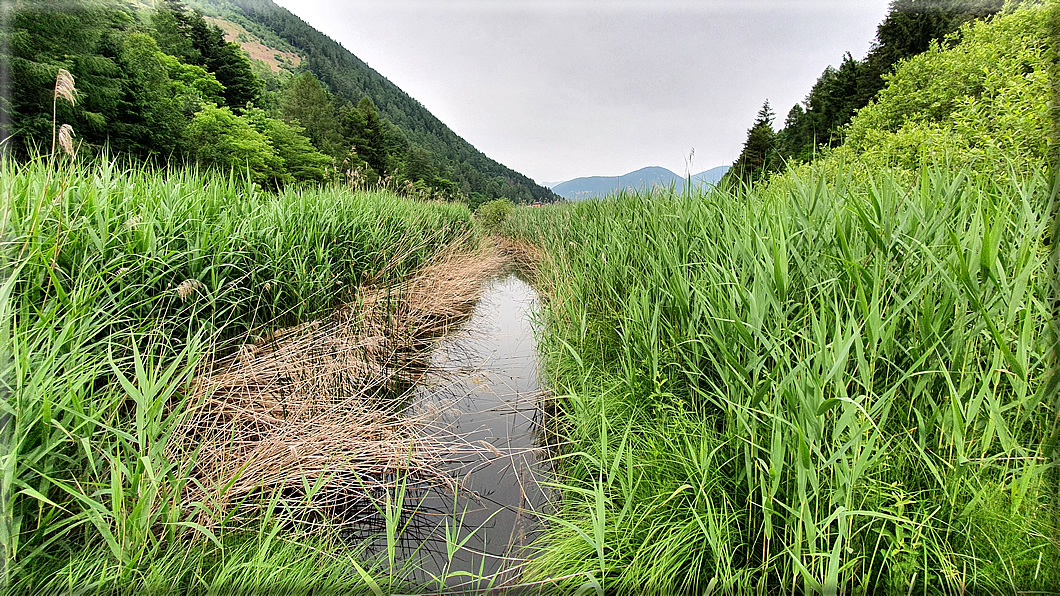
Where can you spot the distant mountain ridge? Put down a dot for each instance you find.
(590, 187)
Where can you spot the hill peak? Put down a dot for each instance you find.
(589, 187)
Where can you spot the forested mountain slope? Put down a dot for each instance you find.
(229, 86)
(350, 78)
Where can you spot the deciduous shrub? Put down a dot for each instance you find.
(493, 213)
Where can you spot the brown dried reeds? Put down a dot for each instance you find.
(308, 420)
(66, 139)
(524, 256)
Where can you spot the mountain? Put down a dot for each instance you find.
(645, 178)
(595, 186)
(711, 176)
(264, 24)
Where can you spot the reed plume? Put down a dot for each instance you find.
(66, 139)
(64, 88)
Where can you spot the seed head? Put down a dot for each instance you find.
(64, 86)
(187, 287)
(66, 139)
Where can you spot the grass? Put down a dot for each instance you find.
(123, 287)
(835, 384)
(839, 383)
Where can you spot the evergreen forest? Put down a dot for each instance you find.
(162, 84)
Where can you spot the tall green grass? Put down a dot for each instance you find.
(836, 384)
(119, 284)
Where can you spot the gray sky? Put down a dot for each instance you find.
(561, 89)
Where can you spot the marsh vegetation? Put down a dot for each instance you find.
(196, 368)
(838, 377)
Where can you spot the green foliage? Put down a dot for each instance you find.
(85, 39)
(368, 132)
(259, 563)
(910, 28)
(301, 161)
(219, 139)
(493, 213)
(188, 78)
(832, 101)
(159, 107)
(187, 35)
(831, 381)
(233, 70)
(306, 103)
(118, 283)
(418, 164)
(757, 149)
(981, 99)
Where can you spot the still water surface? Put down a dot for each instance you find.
(487, 393)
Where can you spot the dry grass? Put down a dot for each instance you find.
(255, 47)
(311, 416)
(525, 256)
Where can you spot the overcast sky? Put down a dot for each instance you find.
(557, 89)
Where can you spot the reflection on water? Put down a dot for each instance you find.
(487, 398)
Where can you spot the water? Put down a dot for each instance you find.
(488, 397)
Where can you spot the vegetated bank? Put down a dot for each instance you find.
(840, 380)
(197, 374)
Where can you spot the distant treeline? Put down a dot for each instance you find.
(164, 85)
(910, 28)
(350, 78)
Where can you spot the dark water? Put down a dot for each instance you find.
(486, 394)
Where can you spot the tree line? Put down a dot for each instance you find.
(165, 86)
(909, 28)
(349, 77)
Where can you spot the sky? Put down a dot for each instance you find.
(558, 89)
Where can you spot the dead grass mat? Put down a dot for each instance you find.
(304, 422)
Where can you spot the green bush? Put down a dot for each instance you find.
(219, 139)
(493, 213)
(982, 100)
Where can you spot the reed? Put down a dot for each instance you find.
(133, 304)
(319, 405)
(835, 384)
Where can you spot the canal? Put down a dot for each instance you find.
(484, 396)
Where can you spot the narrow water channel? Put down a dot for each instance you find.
(486, 398)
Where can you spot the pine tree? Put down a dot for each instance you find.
(307, 104)
(369, 135)
(758, 149)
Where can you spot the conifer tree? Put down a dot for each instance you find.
(306, 103)
(369, 135)
(758, 149)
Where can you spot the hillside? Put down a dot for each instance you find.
(351, 79)
(597, 186)
(711, 176)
